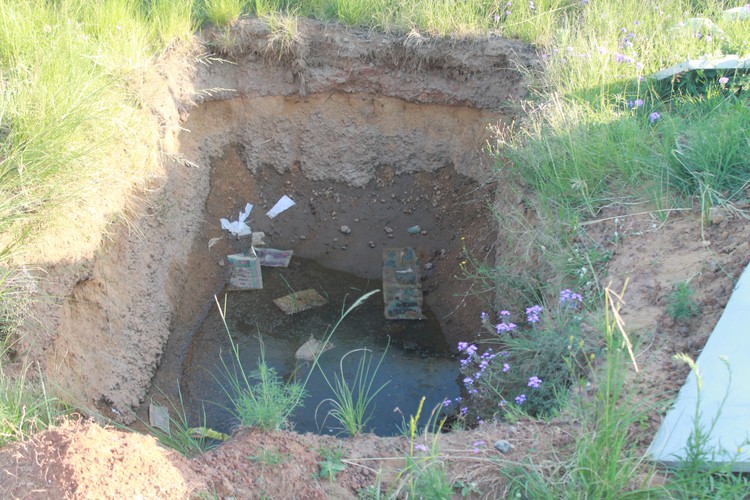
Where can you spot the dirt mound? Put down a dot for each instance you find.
(85, 460)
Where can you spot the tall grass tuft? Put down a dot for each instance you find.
(222, 12)
(352, 398)
(25, 406)
(259, 398)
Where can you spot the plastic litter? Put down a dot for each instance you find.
(270, 257)
(284, 203)
(300, 301)
(238, 227)
(158, 417)
(244, 271)
(726, 62)
(205, 432)
(258, 238)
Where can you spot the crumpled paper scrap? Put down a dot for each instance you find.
(238, 227)
(281, 205)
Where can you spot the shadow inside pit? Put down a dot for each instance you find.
(417, 361)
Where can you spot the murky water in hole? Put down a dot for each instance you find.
(416, 364)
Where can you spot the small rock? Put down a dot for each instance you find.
(715, 215)
(423, 232)
(503, 446)
(388, 230)
(346, 230)
(429, 266)
(371, 244)
(335, 240)
(303, 237)
(414, 230)
(221, 263)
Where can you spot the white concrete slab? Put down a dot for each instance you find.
(730, 439)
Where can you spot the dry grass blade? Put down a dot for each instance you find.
(614, 306)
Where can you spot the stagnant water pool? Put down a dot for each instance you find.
(417, 359)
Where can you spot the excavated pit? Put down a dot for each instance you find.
(378, 166)
(361, 130)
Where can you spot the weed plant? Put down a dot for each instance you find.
(260, 398)
(529, 368)
(353, 397)
(680, 304)
(331, 463)
(606, 462)
(424, 475)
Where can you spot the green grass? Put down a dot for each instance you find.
(261, 398)
(351, 404)
(25, 406)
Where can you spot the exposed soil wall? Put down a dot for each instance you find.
(354, 108)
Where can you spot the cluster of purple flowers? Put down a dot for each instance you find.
(638, 103)
(534, 382)
(653, 117)
(622, 58)
(532, 313)
(568, 296)
(470, 352)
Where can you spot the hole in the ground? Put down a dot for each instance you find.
(390, 131)
(367, 173)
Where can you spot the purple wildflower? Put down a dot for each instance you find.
(653, 117)
(532, 313)
(447, 403)
(723, 80)
(535, 382)
(464, 411)
(462, 346)
(505, 327)
(477, 444)
(520, 399)
(506, 367)
(505, 313)
(420, 447)
(567, 296)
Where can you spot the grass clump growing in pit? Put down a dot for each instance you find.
(262, 398)
(259, 398)
(353, 396)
